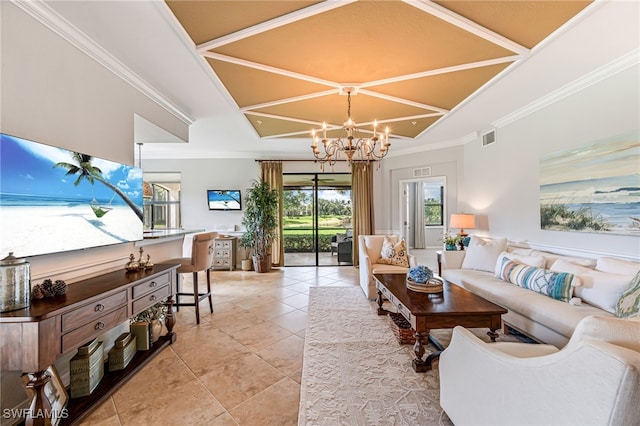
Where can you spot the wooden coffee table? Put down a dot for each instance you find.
(454, 306)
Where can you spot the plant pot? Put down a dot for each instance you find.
(262, 263)
(450, 247)
(247, 264)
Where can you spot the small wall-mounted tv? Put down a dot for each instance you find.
(55, 200)
(228, 199)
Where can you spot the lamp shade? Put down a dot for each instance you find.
(462, 220)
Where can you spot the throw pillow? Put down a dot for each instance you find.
(628, 305)
(617, 266)
(482, 254)
(394, 253)
(600, 289)
(536, 261)
(557, 285)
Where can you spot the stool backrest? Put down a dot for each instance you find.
(202, 250)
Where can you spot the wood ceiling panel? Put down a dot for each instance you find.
(208, 20)
(249, 86)
(443, 90)
(333, 109)
(525, 22)
(358, 43)
(267, 126)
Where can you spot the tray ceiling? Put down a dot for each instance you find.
(285, 63)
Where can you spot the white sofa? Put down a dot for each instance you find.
(594, 380)
(537, 315)
(369, 249)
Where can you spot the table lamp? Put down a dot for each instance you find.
(462, 220)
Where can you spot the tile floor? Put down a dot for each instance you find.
(241, 366)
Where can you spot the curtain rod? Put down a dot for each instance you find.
(315, 161)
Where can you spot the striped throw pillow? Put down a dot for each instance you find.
(557, 285)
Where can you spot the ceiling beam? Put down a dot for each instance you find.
(467, 25)
(270, 69)
(273, 23)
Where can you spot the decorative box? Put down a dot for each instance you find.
(142, 331)
(123, 351)
(86, 369)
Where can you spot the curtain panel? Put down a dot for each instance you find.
(272, 174)
(361, 203)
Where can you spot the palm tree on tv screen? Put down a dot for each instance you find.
(85, 170)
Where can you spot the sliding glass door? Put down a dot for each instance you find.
(317, 219)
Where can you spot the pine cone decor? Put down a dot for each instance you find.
(59, 287)
(36, 292)
(48, 288)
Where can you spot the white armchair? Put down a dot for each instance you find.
(593, 380)
(369, 248)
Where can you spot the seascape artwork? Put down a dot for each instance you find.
(593, 187)
(54, 200)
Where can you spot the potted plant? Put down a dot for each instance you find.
(260, 221)
(451, 241)
(246, 242)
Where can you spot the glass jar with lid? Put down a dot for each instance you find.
(15, 287)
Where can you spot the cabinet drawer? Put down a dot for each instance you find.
(150, 285)
(144, 302)
(404, 311)
(90, 312)
(223, 244)
(221, 262)
(93, 328)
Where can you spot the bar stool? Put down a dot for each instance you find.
(200, 261)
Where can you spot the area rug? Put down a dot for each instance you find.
(356, 373)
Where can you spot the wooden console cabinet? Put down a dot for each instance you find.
(33, 338)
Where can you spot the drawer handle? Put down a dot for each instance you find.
(99, 325)
(153, 298)
(153, 284)
(399, 306)
(99, 307)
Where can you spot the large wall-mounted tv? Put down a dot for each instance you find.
(55, 200)
(228, 199)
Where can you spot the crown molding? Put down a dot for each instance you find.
(51, 19)
(622, 63)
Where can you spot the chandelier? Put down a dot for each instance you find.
(352, 146)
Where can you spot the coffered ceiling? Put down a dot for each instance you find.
(287, 65)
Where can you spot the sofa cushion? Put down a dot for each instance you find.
(552, 257)
(551, 313)
(536, 261)
(601, 289)
(617, 266)
(394, 252)
(628, 305)
(482, 254)
(380, 268)
(558, 285)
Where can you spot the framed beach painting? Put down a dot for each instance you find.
(593, 187)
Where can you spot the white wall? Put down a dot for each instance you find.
(55, 94)
(502, 180)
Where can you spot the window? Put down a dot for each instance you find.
(433, 204)
(161, 199)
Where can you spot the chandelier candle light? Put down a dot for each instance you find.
(354, 147)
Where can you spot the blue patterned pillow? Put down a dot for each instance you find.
(628, 305)
(558, 285)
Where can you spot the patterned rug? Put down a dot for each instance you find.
(356, 373)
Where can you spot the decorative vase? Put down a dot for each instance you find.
(247, 264)
(450, 247)
(156, 330)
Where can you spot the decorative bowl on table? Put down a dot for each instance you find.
(420, 278)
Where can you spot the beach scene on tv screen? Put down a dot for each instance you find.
(224, 200)
(54, 200)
